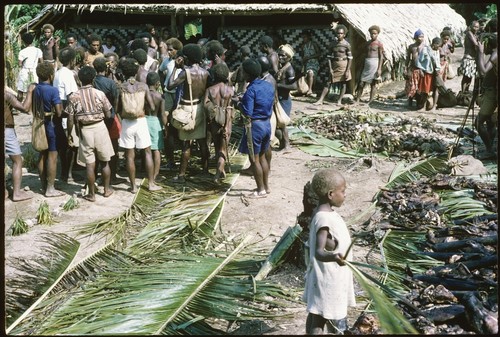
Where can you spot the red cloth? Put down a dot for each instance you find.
(115, 129)
(426, 83)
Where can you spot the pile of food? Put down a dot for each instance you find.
(405, 138)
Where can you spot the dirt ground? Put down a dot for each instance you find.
(266, 219)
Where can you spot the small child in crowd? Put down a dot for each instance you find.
(329, 288)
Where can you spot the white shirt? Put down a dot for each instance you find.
(30, 55)
(65, 82)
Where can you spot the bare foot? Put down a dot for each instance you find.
(318, 103)
(108, 192)
(257, 195)
(54, 193)
(21, 196)
(154, 187)
(89, 197)
(132, 189)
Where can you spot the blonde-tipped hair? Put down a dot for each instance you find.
(326, 180)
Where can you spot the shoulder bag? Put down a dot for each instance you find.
(38, 135)
(183, 118)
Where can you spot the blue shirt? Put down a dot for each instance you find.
(48, 94)
(257, 102)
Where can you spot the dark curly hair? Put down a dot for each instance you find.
(28, 38)
(140, 55)
(214, 48)
(44, 70)
(266, 40)
(86, 74)
(193, 52)
(139, 44)
(100, 64)
(66, 55)
(252, 68)
(152, 78)
(220, 72)
(129, 66)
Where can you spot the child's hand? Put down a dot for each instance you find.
(339, 258)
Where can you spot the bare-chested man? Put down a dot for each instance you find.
(199, 77)
(220, 113)
(157, 120)
(266, 46)
(373, 64)
(339, 63)
(49, 44)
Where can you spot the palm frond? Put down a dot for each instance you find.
(461, 205)
(38, 276)
(317, 145)
(157, 297)
(391, 319)
(429, 167)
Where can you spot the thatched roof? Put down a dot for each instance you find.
(201, 9)
(398, 22)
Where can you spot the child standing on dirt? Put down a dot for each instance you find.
(329, 288)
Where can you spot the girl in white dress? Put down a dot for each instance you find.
(329, 288)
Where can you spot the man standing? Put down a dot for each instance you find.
(28, 59)
(89, 107)
(94, 50)
(266, 46)
(65, 83)
(49, 45)
(257, 105)
(12, 147)
(133, 97)
(489, 100)
(196, 89)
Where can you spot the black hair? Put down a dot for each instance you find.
(138, 43)
(71, 35)
(94, 37)
(27, 38)
(44, 70)
(252, 68)
(174, 42)
(141, 56)
(266, 40)
(341, 26)
(100, 64)
(142, 35)
(193, 52)
(213, 48)
(86, 74)
(437, 40)
(220, 72)
(152, 78)
(245, 50)
(66, 55)
(129, 66)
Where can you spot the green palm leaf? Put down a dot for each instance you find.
(318, 145)
(39, 276)
(429, 167)
(156, 297)
(391, 319)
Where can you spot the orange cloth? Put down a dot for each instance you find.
(425, 85)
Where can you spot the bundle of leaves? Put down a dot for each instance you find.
(405, 138)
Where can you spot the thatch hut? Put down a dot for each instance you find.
(242, 24)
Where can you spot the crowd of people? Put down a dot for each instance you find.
(163, 63)
(97, 99)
